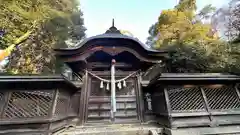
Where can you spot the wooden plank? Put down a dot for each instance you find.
(225, 112)
(140, 99)
(99, 100)
(237, 91)
(205, 130)
(168, 107)
(117, 96)
(5, 101)
(206, 103)
(99, 64)
(82, 101)
(54, 103)
(88, 93)
(189, 114)
(117, 116)
(117, 73)
(108, 109)
(40, 120)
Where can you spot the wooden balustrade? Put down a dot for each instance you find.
(36, 104)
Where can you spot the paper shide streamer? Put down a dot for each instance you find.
(104, 83)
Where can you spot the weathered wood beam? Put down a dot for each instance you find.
(106, 65)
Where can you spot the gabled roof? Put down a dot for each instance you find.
(111, 45)
(112, 33)
(109, 36)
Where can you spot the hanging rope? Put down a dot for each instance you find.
(125, 78)
(98, 77)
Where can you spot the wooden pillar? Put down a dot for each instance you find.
(113, 91)
(6, 98)
(168, 105)
(140, 99)
(207, 105)
(82, 102)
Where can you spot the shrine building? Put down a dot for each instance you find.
(120, 89)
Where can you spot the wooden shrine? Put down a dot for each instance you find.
(111, 64)
(120, 83)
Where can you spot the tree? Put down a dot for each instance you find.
(186, 5)
(227, 20)
(196, 44)
(51, 23)
(177, 27)
(152, 35)
(205, 13)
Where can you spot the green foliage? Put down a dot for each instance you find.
(206, 12)
(188, 58)
(52, 22)
(153, 34)
(176, 27)
(234, 56)
(186, 5)
(197, 47)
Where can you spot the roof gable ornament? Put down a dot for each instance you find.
(113, 29)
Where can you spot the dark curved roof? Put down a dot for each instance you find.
(111, 33)
(112, 38)
(109, 36)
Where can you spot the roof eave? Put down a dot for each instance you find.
(103, 36)
(195, 79)
(36, 83)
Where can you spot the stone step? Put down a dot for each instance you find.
(112, 130)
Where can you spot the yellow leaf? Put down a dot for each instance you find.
(28, 60)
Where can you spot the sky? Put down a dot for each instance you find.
(135, 16)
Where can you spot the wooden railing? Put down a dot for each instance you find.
(36, 104)
(195, 101)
